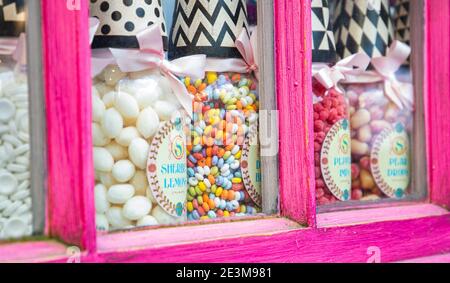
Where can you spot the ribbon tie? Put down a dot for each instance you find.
(150, 55)
(330, 77)
(248, 48)
(398, 92)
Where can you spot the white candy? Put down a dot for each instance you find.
(98, 137)
(101, 203)
(15, 228)
(165, 109)
(4, 204)
(127, 135)
(126, 105)
(22, 209)
(8, 183)
(165, 219)
(116, 218)
(140, 182)
(137, 207)
(108, 99)
(101, 222)
(123, 171)
(20, 195)
(9, 211)
(98, 109)
(117, 151)
(103, 160)
(112, 123)
(119, 194)
(112, 74)
(145, 90)
(148, 122)
(107, 179)
(21, 149)
(147, 220)
(138, 152)
(7, 110)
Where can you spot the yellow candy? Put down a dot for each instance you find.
(205, 217)
(236, 180)
(226, 213)
(211, 77)
(202, 186)
(187, 81)
(219, 192)
(198, 83)
(190, 206)
(238, 155)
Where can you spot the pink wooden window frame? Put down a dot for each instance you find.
(422, 232)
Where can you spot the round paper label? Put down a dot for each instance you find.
(251, 166)
(390, 163)
(336, 160)
(166, 168)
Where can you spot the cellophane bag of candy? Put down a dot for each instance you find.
(331, 144)
(225, 107)
(380, 131)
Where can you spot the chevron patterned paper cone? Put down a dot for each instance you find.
(362, 25)
(12, 18)
(120, 21)
(323, 46)
(402, 21)
(207, 27)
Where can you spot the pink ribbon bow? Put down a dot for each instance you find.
(398, 92)
(17, 48)
(248, 47)
(151, 55)
(330, 77)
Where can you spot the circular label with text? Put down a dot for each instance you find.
(389, 161)
(166, 168)
(336, 160)
(251, 166)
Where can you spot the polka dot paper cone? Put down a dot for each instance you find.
(323, 46)
(208, 27)
(121, 20)
(362, 25)
(12, 18)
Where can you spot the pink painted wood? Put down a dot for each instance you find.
(437, 100)
(32, 252)
(293, 73)
(70, 206)
(357, 216)
(393, 241)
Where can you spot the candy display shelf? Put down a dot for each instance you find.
(295, 229)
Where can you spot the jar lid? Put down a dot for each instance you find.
(12, 18)
(323, 46)
(121, 21)
(363, 25)
(208, 27)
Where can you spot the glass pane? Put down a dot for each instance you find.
(363, 100)
(174, 142)
(15, 185)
